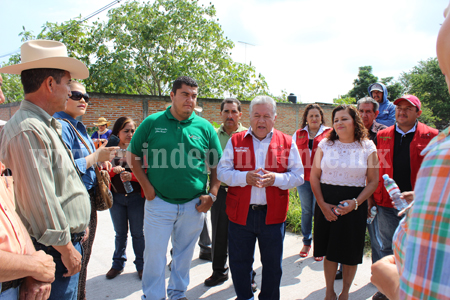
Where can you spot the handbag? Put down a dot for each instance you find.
(103, 198)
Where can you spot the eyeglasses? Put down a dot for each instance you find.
(76, 96)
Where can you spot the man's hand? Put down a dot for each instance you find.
(32, 289)
(45, 266)
(125, 176)
(86, 235)
(268, 179)
(206, 203)
(149, 192)
(106, 165)
(386, 278)
(253, 178)
(408, 196)
(71, 258)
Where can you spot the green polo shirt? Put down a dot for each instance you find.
(223, 135)
(175, 154)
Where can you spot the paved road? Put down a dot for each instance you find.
(302, 277)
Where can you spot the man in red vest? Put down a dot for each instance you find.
(399, 148)
(259, 166)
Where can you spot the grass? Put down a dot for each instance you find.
(294, 218)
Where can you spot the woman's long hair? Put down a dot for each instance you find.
(360, 130)
(307, 109)
(120, 124)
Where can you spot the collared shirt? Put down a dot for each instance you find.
(421, 242)
(177, 153)
(79, 151)
(14, 237)
(224, 137)
(292, 178)
(52, 200)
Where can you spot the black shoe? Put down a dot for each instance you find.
(338, 275)
(205, 255)
(379, 296)
(140, 274)
(215, 279)
(170, 266)
(254, 285)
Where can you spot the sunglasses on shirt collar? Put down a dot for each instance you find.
(76, 96)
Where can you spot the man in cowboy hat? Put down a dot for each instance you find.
(52, 200)
(103, 131)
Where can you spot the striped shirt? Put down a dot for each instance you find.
(422, 242)
(52, 200)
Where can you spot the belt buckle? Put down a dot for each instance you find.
(254, 206)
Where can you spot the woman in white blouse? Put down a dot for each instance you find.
(345, 170)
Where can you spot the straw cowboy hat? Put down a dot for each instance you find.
(102, 121)
(47, 54)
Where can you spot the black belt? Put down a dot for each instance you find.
(76, 237)
(11, 284)
(258, 207)
(225, 188)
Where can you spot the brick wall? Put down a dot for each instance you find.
(113, 106)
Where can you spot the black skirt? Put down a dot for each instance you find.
(340, 241)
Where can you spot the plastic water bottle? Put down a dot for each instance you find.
(394, 192)
(336, 209)
(126, 184)
(373, 213)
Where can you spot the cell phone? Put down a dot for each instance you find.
(113, 141)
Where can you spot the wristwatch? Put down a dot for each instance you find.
(213, 197)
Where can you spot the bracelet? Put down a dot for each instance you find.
(356, 202)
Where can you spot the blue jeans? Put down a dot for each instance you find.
(241, 247)
(387, 224)
(63, 287)
(375, 240)
(308, 202)
(163, 220)
(128, 209)
(10, 294)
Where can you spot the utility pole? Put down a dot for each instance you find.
(245, 45)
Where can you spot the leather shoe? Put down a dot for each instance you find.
(205, 255)
(379, 296)
(254, 285)
(338, 275)
(215, 279)
(140, 274)
(112, 273)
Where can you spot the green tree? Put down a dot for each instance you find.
(361, 84)
(143, 48)
(366, 78)
(346, 100)
(427, 82)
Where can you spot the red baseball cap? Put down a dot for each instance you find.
(411, 99)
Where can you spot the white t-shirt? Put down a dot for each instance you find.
(345, 163)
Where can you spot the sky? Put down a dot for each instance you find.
(312, 48)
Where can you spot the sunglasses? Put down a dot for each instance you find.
(76, 96)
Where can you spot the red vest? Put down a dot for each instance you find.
(385, 148)
(238, 198)
(302, 145)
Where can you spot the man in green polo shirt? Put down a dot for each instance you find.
(175, 146)
(230, 112)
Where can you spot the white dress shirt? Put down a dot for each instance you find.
(293, 177)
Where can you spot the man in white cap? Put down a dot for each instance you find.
(52, 200)
(386, 116)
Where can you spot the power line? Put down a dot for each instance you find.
(81, 21)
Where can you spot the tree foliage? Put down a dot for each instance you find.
(427, 82)
(143, 47)
(366, 78)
